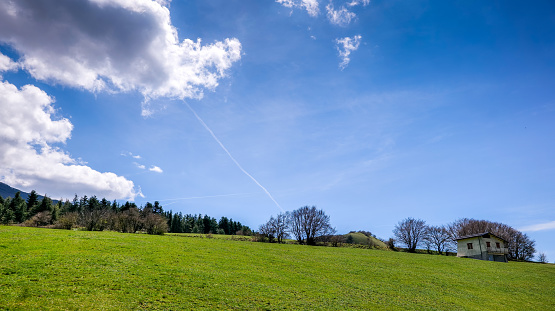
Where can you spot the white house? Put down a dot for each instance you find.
(484, 246)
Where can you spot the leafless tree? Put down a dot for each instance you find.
(279, 226)
(410, 232)
(438, 237)
(542, 257)
(337, 240)
(267, 231)
(307, 223)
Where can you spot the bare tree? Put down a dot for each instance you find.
(438, 237)
(267, 231)
(275, 228)
(336, 240)
(410, 232)
(542, 257)
(307, 223)
(279, 225)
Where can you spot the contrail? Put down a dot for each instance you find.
(232, 158)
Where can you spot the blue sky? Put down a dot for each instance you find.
(373, 111)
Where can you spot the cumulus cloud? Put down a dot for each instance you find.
(155, 169)
(6, 63)
(341, 17)
(113, 45)
(311, 6)
(540, 227)
(345, 46)
(29, 157)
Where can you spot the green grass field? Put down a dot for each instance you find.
(42, 269)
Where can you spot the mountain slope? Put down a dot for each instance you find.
(8, 191)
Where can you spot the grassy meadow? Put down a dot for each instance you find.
(43, 269)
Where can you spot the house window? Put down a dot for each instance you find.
(488, 244)
(469, 245)
(497, 245)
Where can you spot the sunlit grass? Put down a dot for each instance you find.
(57, 269)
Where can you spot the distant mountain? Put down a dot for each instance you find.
(8, 191)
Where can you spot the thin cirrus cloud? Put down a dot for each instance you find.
(311, 6)
(359, 2)
(341, 17)
(138, 165)
(134, 156)
(95, 45)
(540, 227)
(345, 46)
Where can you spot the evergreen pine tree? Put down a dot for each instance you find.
(19, 208)
(44, 206)
(33, 201)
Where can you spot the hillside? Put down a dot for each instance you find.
(360, 238)
(8, 191)
(56, 269)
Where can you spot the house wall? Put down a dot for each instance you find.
(475, 252)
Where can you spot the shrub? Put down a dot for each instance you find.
(39, 220)
(67, 221)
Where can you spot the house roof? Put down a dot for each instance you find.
(479, 235)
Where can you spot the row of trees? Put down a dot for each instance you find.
(414, 233)
(96, 215)
(90, 213)
(179, 223)
(305, 224)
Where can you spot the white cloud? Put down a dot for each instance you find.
(139, 165)
(6, 63)
(345, 46)
(127, 153)
(287, 3)
(28, 155)
(539, 227)
(311, 6)
(341, 17)
(359, 2)
(113, 45)
(156, 169)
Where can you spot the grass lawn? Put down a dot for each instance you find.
(43, 269)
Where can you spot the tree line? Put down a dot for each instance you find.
(413, 233)
(179, 223)
(307, 225)
(93, 214)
